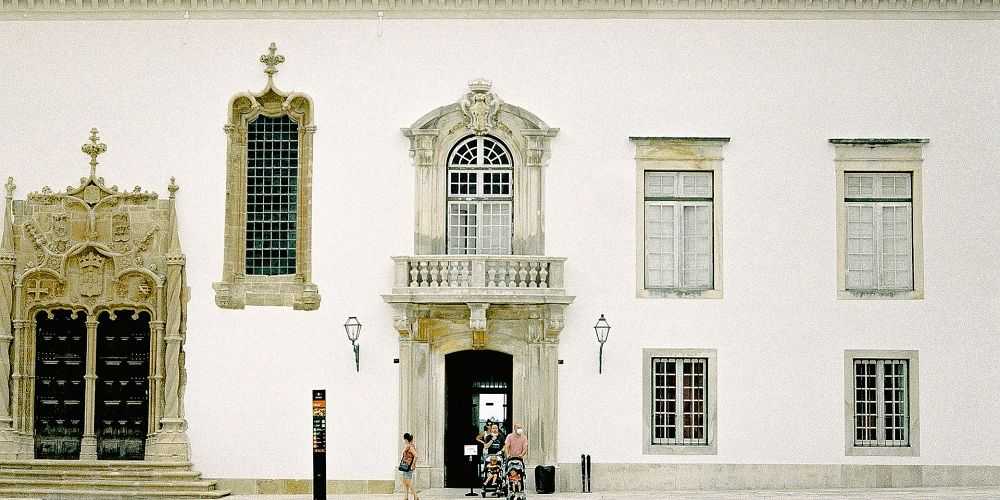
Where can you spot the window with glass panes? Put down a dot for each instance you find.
(480, 197)
(678, 229)
(272, 190)
(679, 387)
(879, 231)
(881, 403)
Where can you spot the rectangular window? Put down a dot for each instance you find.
(679, 386)
(881, 416)
(272, 195)
(678, 230)
(679, 408)
(881, 404)
(879, 231)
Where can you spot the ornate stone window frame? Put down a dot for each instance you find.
(479, 112)
(237, 289)
(694, 154)
(913, 402)
(711, 402)
(880, 155)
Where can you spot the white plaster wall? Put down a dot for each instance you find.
(158, 92)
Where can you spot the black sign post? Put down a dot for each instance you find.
(319, 444)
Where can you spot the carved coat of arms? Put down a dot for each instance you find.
(480, 107)
(91, 275)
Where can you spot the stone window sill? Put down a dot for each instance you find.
(882, 451)
(281, 291)
(665, 449)
(678, 293)
(880, 294)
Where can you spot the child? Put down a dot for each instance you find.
(492, 471)
(514, 479)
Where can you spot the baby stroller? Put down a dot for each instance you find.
(514, 479)
(493, 481)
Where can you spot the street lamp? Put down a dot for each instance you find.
(601, 329)
(353, 327)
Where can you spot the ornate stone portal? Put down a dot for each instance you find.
(507, 303)
(111, 261)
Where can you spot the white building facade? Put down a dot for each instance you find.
(787, 216)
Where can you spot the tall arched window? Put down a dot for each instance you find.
(480, 197)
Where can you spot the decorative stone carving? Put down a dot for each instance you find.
(477, 316)
(74, 250)
(236, 290)
(480, 107)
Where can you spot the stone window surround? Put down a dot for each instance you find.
(678, 154)
(434, 135)
(912, 394)
(237, 289)
(880, 155)
(711, 400)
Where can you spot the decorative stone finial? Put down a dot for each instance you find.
(94, 149)
(480, 106)
(10, 187)
(173, 187)
(272, 59)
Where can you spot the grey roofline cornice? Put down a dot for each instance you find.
(499, 9)
(879, 141)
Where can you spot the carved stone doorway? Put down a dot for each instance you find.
(122, 402)
(60, 357)
(478, 387)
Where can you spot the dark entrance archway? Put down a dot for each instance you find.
(478, 386)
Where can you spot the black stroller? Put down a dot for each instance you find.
(514, 472)
(493, 481)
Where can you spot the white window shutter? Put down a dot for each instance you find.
(697, 246)
(897, 245)
(659, 245)
(861, 246)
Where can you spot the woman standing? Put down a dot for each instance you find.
(406, 466)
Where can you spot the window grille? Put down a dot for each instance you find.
(881, 403)
(679, 398)
(480, 197)
(879, 231)
(272, 190)
(678, 230)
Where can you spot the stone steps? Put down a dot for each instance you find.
(63, 494)
(83, 479)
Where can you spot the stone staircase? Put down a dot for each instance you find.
(106, 479)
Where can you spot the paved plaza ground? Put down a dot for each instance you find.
(819, 494)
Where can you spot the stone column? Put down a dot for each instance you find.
(88, 446)
(155, 374)
(543, 386)
(171, 443)
(428, 237)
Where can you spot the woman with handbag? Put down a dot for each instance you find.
(406, 465)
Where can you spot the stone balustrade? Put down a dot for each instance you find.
(461, 278)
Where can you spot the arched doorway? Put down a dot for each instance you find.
(478, 387)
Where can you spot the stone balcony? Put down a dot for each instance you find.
(493, 279)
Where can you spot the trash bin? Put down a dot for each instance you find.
(545, 479)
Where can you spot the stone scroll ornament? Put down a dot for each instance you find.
(480, 107)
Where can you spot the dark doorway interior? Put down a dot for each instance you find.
(122, 396)
(60, 362)
(477, 387)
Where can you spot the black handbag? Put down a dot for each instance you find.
(405, 467)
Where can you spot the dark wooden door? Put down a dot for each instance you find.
(122, 396)
(60, 363)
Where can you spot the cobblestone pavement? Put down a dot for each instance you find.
(824, 494)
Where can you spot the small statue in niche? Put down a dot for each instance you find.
(120, 232)
(60, 232)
